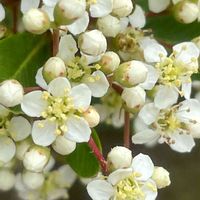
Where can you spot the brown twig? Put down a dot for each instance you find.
(98, 155)
(126, 129)
(56, 39)
(30, 89)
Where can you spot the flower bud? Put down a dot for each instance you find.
(130, 73)
(67, 11)
(92, 43)
(109, 62)
(134, 97)
(36, 21)
(122, 8)
(33, 180)
(109, 25)
(161, 177)
(7, 180)
(63, 146)
(91, 116)
(22, 147)
(119, 157)
(11, 93)
(186, 12)
(36, 158)
(53, 68)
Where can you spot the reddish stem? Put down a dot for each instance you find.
(126, 129)
(15, 13)
(165, 44)
(56, 39)
(151, 14)
(116, 87)
(30, 89)
(98, 155)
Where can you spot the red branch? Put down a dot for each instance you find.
(126, 129)
(55, 38)
(30, 89)
(98, 155)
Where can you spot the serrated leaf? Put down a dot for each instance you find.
(83, 161)
(21, 55)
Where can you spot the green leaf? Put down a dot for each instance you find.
(83, 161)
(21, 55)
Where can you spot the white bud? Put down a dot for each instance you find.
(36, 21)
(194, 129)
(134, 97)
(91, 116)
(119, 157)
(131, 73)
(22, 147)
(36, 158)
(161, 177)
(110, 26)
(67, 11)
(186, 12)
(122, 8)
(63, 146)
(33, 180)
(109, 62)
(11, 93)
(53, 68)
(7, 180)
(92, 43)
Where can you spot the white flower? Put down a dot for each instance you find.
(61, 108)
(7, 179)
(26, 5)
(11, 93)
(119, 157)
(36, 158)
(158, 6)
(2, 13)
(130, 183)
(122, 8)
(171, 125)
(174, 71)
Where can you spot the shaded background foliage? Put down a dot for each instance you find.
(22, 54)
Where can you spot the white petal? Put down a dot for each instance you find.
(152, 77)
(145, 136)
(101, 8)
(143, 165)
(80, 25)
(100, 190)
(4, 112)
(81, 95)
(119, 175)
(91, 59)
(19, 128)
(149, 113)
(59, 86)
(50, 3)
(49, 10)
(153, 51)
(7, 149)
(183, 142)
(77, 129)
(63, 146)
(67, 48)
(146, 41)
(100, 86)
(186, 89)
(158, 6)
(44, 132)
(137, 19)
(40, 80)
(26, 5)
(124, 21)
(150, 190)
(33, 104)
(186, 51)
(139, 125)
(2, 12)
(165, 97)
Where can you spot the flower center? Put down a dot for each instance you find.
(129, 189)
(78, 70)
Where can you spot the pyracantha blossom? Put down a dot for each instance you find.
(61, 109)
(12, 129)
(174, 71)
(133, 182)
(7, 183)
(77, 69)
(2, 13)
(176, 125)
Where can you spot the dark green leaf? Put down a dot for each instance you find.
(83, 161)
(21, 55)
